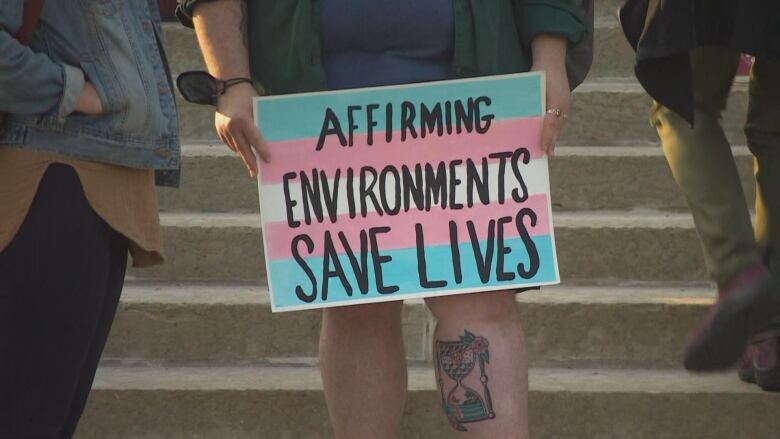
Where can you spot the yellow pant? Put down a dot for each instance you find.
(703, 166)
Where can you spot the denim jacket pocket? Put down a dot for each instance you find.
(102, 7)
(90, 75)
(93, 74)
(125, 93)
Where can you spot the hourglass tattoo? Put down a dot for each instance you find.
(457, 359)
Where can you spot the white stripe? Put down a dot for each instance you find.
(535, 176)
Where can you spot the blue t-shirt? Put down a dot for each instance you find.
(369, 43)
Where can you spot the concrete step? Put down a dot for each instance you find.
(607, 8)
(594, 247)
(605, 112)
(583, 178)
(613, 57)
(181, 48)
(620, 327)
(610, 111)
(287, 403)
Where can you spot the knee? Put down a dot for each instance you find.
(386, 314)
(479, 307)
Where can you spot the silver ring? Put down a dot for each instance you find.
(557, 112)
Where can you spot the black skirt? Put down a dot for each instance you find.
(663, 32)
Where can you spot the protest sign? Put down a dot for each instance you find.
(397, 192)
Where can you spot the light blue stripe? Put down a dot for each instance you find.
(301, 116)
(402, 271)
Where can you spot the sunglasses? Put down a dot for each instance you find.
(199, 87)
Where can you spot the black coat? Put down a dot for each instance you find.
(662, 33)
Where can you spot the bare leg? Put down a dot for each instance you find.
(479, 339)
(364, 370)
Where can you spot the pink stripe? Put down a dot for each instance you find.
(402, 235)
(505, 135)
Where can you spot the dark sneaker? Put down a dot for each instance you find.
(766, 364)
(723, 334)
(745, 368)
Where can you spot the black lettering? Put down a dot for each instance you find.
(367, 192)
(464, 116)
(436, 185)
(422, 270)
(431, 120)
(518, 175)
(371, 123)
(312, 199)
(448, 116)
(288, 201)
(330, 255)
(485, 120)
(331, 125)
(396, 207)
(533, 253)
(502, 157)
(311, 297)
(351, 119)
(389, 123)
(379, 260)
(502, 250)
(484, 262)
(360, 269)
(351, 193)
(407, 120)
(413, 187)
(481, 183)
(455, 250)
(454, 182)
(331, 197)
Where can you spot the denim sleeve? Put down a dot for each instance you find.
(31, 83)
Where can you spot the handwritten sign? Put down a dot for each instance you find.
(407, 191)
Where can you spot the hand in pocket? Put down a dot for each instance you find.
(89, 100)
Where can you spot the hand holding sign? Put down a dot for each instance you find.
(236, 128)
(549, 54)
(558, 106)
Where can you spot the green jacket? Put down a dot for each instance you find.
(491, 37)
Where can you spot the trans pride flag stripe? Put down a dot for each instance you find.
(406, 191)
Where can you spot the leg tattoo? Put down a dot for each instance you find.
(456, 360)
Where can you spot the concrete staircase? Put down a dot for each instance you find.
(196, 353)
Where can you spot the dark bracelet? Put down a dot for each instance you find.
(200, 87)
(222, 86)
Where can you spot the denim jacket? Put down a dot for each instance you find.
(116, 45)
